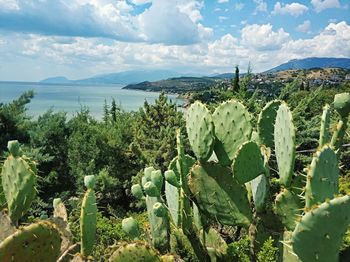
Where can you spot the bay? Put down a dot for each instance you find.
(71, 98)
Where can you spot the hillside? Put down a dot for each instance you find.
(176, 85)
(313, 62)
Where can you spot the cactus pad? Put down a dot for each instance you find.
(288, 206)
(266, 123)
(319, 234)
(18, 181)
(14, 148)
(322, 178)
(219, 196)
(248, 162)
(342, 104)
(284, 136)
(151, 189)
(88, 218)
(38, 242)
(260, 186)
(59, 209)
(325, 136)
(171, 178)
(232, 128)
(159, 210)
(200, 130)
(159, 225)
(136, 191)
(90, 181)
(147, 175)
(135, 252)
(131, 227)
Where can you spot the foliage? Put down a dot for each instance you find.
(268, 252)
(240, 249)
(155, 132)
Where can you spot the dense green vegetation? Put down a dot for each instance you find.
(117, 148)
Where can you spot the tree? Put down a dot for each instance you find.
(155, 133)
(14, 122)
(235, 82)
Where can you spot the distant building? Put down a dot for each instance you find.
(347, 77)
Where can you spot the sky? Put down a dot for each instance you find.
(82, 38)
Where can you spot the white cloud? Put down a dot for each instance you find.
(262, 37)
(140, 2)
(222, 18)
(321, 5)
(260, 44)
(294, 9)
(304, 27)
(9, 5)
(223, 1)
(168, 22)
(261, 6)
(239, 6)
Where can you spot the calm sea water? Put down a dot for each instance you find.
(70, 98)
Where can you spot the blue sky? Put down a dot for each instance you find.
(81, 38)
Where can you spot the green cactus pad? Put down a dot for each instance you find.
(284, 136)
(342, 104)
(219, 196)
(288, 206)
(90, 181)
(248, 162)
(151, 189)
(159, 225)
(318, 236)
(18, 181)
(214, 240)
(232, 128)
(200, 130)
(172, 193)
(159, 210)
(157, 179)
(135, 252)
(136, 191)
(14, 148)
(172, 198)
(131, 227)
(260, 187)
(325, 135)
(88, 218)
(266, 123)
(168, 258)
(38, 242)
(171, 178)
(147, 175)
(322, 177)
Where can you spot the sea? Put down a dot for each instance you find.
(71, 98)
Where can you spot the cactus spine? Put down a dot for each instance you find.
(88, 217)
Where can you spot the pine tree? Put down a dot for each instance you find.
(235, 83)
(114, 110)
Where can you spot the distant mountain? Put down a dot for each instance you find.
(56, 80)
(313, 62)
(126, 77)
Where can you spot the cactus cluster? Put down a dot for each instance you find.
(224, 190)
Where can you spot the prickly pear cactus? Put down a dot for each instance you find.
(219, 196)
(88, 217)
(135, 252)
(325, 135)
(200, 130)
(288, 206)
(319, 234)
(248, 162)
(284, 135)
(322, 177)
(342, 104)
(232, 128)
(266, 123)
(131, 228)
(6, 226)
(18, 181)
(260, 190)
(38, 242)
